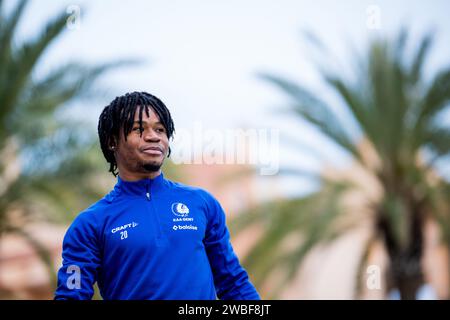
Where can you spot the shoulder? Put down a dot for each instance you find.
(194, 191)
(92, 216)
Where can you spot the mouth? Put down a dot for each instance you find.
(152, 151)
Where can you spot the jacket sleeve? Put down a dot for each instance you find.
(81, 261)
(230, 278)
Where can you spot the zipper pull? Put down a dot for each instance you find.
(148, 191)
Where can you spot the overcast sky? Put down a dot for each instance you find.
(203, 56)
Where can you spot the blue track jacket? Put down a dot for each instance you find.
(152, 239)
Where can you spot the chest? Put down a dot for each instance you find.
(139, 224)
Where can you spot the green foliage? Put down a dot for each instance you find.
(50, 166)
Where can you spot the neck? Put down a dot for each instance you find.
(135, 176)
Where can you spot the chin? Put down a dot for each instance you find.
(152, 166)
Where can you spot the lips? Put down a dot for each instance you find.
(152, 150)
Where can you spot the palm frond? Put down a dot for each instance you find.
(316, 112)
(24, 61)
(307, 220)
(419, 59)
(7, 30)
(436, 97)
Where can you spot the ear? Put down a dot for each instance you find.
(112, 144)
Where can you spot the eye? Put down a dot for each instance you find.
(137, 129)
(161, 130)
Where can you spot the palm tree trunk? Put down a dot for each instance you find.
(407, 277)
(405, 272)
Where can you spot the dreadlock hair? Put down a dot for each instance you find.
(120, 113)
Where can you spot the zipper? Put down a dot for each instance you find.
(159, 236)
(148, 192)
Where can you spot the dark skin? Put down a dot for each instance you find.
(141, 156)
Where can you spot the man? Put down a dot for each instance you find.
(149, 238)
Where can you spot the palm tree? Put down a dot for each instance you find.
(400, 140)
(48, 164)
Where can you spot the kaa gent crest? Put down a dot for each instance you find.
(180, 209)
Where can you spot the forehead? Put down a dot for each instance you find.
(152, 118)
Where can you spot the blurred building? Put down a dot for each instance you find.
(22, 273)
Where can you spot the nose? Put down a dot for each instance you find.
(150, 135)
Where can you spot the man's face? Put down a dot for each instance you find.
(142, 154)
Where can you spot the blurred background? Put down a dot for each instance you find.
(322, 128)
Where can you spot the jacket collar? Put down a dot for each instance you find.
(140, 187)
